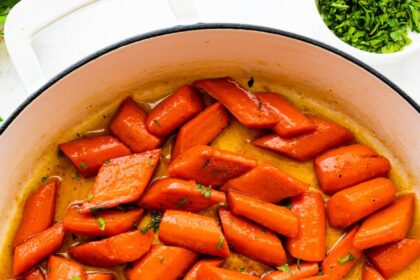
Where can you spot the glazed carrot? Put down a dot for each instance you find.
(115, 222)
(34, 274)
(345, 166)
(162, 262)
(192, 274)
(310, 243)
(326, 136)
(209, 166)
(294, 272)
(208, 272)
(194, 232)
(369, 273)
(31, 252)
(266, 182)
(171, 193)
(100, 276)
(202, 129)
(388, 225)
(63, 269)
(39, 211)
(290, 122)
(88, 154)
(274, 217)
(320, 277)
(129, 126)
(240, 102)
(252, 240)
(121, 181)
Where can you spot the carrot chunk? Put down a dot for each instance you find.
(369, 273)
(388, 225)
(294, 272)
(240, 102)
(179, 194)
(209, 166)
(100, 276)
(63, 269)
(34, 274)
(304, 147)
(39, 211)
(192, 274)
(194, 232)
(320, 277)
(207, 272)
(252, 240)
(345, 166)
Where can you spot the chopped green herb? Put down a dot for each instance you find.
(89, 197)
(220, 243)
(250, 82)
(154, 223)
(199, 186)
(182, 202)
(241, 269)
(345, 259)
(298, 263)
(156, 122)
(83, 165)
(1, 119)
(207, 192)
(288, 205)
(107, 161)
(76, 277)
(44, 178)
(101, 222)
(284, 267)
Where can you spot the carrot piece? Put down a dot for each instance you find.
(202, 129)
(192, 273)
(115, 221)
(274, 217)
(266, 182)
(320, 277)
(369, 273)
(162, 262)
(240, 102)
(34, 274)
(129, 126)
(31, 252)
(363, 199)
(391, 259)
(310, 243)
(194, 232)
(305, 269)
(63, 269)
(345, 166)
(174, 193)
(100, 276)
(251, 239)
(121, 181)
(208, 272)
(209, 166)
(388, 225)
(88, 154)
(39, 211)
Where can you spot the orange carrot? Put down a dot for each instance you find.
(320, 277)
(209, 166)
(39, 211)
(121, 181)
(310, 243)
(202, 129)
(31, 252)
(240, 102)
(208, 272)
(274, 217)
(88, 154)
(252, 240)
(63, 269)
(34, 274)
(192, 274)
(171, 193)
(369, 273)
(266, 182)
(100, 276)
(162, 262)
(326, 136)
(293, 272)
(345, 166)
(129, 126)
(388, 225)
(194, 232)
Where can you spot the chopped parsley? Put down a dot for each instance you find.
(154, 223)
(76, 277)
(298, 263)
(1, 119)
(206, 192)
(241, 269)
(284, 267)
(83, 165)
(89, 197)
(182, 202)
(101, 222)
(345, 259)
(220, 243)
(107, 161)
(44, 178)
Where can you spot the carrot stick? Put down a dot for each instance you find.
(209, 166)
(38, 214)
(34, 274)
(369, 273)
(240, 102)
(88, 154)
(363, 199)
(192, 274)
(208, 272)
(320, 277)
(346, 166)
(63, 269)
(388, 225)
(174, 194)
(294, 272)
(252, 240)
(100, 276)
(266, 182)
(304, 147)
(274, 217)
(194, 232)
(202, 129)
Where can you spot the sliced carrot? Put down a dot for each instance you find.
(39, 211)
(34, 274)
(326, 136)
(320, 277)
(345, 166)
(305, 269)
(129, 126)
(252, 240)
(192, 274)
(88, 154)
(162, 262)
(179, 194)
(208, 272)
(310, 242)
(240, 102)
(63, 269)
(202, 129)
(100, 276)
(363, 199)
(194, 232)
(121, 181)
(388, 225)
(266, 182)
(369, 273)
(274, 217)
(31, 252)
(209, 166)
